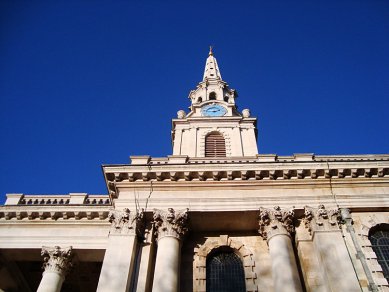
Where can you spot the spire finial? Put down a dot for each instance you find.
(211, 69)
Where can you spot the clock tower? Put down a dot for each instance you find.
(214, 127)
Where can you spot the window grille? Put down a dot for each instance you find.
(380, 244)
(215, 145)
(225, 273)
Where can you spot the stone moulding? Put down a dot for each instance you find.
(200, 262)
(369, 253)
(49, 213)
(219, 174)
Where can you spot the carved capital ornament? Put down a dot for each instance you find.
(57, 259)
(126, 222)
(275, 221)
(170, 223)
(321, 219)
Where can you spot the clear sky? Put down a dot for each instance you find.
(86, 83)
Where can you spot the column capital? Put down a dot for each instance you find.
(126, 222)
(275, 221)
(321, 219)
(170, 223)
(57, 259)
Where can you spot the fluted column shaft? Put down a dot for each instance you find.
(57, 262)
(170, 227)
(119, 259)
(276, 226)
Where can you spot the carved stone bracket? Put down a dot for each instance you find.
(126, 222)
(170, 223)
(57, 259)
(321, 219)
(275, 221)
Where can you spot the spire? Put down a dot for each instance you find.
(211, 68)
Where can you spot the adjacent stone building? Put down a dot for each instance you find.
(213, 216)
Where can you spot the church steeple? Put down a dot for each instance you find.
(211, 68)
(212, 87)
(214, 127)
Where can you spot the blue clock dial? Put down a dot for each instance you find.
(213, 110)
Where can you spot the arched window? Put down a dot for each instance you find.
(379, 239)
(212, 96)
(225, 272)
(215, 145)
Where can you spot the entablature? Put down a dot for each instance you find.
(296, 168)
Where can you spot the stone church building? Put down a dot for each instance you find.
(213, 216)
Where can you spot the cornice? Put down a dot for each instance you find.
(299, 169)
(53, 213)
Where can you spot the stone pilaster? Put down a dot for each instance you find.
(276, 225)
(57, 263)
(170, 227)
(170, 223)
(331, 249)
(275, 221)
(119, 260)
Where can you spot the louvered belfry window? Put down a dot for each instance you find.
(215, 145)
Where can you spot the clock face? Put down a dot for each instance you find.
(213, 110)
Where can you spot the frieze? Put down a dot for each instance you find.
(275, 221)
(321, 219)
(170, 223)
(57, 259)
(126, 222)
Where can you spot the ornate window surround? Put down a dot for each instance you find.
(367, 226)
(200, 262)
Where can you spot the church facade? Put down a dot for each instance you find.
(213, 216)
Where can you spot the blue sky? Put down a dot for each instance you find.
(86, 83)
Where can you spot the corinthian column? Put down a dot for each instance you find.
(57, 262)
(337, 268)
(119, 258)
(275, 225)
(170, 227)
